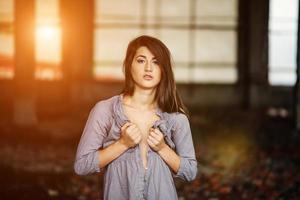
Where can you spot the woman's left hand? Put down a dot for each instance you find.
(156, 139)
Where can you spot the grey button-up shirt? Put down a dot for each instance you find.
(125, 177)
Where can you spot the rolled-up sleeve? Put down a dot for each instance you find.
(95, 130)
(182, 138)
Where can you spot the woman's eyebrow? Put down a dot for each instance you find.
(141, 56)
(154, 58)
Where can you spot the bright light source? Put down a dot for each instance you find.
(47, 32)
(48, 52)
(48, 42)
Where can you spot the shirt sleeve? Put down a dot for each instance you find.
(95, 130)
(182, 138)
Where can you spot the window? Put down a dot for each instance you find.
(283, 22)
(48, 40)
(201, 36)
(6, 39)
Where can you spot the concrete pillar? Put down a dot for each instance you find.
(254, 61)
(78, 27)
(24, 81)
(243, 53)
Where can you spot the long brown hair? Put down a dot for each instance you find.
(166, 94)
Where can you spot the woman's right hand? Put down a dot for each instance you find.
(130, 135)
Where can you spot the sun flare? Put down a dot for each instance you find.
(48, 44)
(47, 32)
(48, 52)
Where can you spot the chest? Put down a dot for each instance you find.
(143, 119)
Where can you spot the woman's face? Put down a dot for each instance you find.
(145, 71)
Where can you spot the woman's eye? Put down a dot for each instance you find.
(140, 61)
(155, 62)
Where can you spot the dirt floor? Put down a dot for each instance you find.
(241, 155)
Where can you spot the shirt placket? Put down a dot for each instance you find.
(146, 171)
(143, 176)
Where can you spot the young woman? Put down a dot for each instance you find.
(141, 137)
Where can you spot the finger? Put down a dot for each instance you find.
(127, 124)
(134, 124)
(131, 128)
(135, 128)
(155, 135)
(151, 129)
(150, 143)
(153, 140)
(157, 131)
(137, 131)
(137, 140)
(137, 136)
(159, 134)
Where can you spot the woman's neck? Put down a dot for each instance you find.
(142, 100)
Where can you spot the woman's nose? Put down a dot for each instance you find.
(148, 66)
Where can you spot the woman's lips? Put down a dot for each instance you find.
(148, 77)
